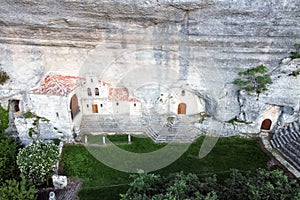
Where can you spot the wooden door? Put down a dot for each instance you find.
(266, 124)
(182, 108)
(95, 108)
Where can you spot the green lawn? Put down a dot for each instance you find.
(102, 182)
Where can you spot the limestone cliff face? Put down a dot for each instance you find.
(216, 38)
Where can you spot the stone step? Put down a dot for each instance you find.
(288, 158)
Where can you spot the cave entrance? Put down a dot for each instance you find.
(14, 105)
(74, 106)
(182, 108)
(266, 125)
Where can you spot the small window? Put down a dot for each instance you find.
(182, 93)
(96, 91)
(89, 91)
(57, 114)
(134, 104)
(87, 105)
(92, 80)
(117, 103)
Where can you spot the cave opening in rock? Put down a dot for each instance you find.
(266, 125)
(14, 105)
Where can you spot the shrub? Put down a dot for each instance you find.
(14, 190)
(36, 162)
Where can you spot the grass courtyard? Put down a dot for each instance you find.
(102, 182)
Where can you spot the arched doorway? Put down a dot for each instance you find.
(266, 125)
(74, 106)
(182, 108)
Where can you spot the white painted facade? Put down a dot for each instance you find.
(99, 97)
(64, 101)
(271, 113)
(169, 102)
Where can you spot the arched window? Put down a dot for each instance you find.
(96, 92)
(182, 93)
(89, 91)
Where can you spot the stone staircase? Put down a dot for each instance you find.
(156, 127)
(110, 123)
(286, 139)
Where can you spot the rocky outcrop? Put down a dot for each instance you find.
(203, 44)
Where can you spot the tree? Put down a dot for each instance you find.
(254, 79)
(14, 190)
(271, 185)
(175, 186)
(261, 184)
(36, 161)
(8, 151)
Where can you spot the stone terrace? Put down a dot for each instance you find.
(156, 127)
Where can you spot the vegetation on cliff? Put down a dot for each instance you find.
(254, 79)
(3, 77)
(296, 54)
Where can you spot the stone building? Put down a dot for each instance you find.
(65, 99)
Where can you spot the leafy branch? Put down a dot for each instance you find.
(254, 80)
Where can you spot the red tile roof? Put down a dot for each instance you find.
(133, 100)
(118, 94)
(59, 85)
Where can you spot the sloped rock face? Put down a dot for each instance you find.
(216, 37)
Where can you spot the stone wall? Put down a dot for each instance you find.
(211, 38)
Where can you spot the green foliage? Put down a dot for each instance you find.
(14, 190)
(295, 73)
(3, 119)
(3, 77)
(8, 150)
(37, 118)
(254, 79)
(296, 54)
(262, 184)
(175, 186)
(36, 161)
(8, 153)
(230, 152)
